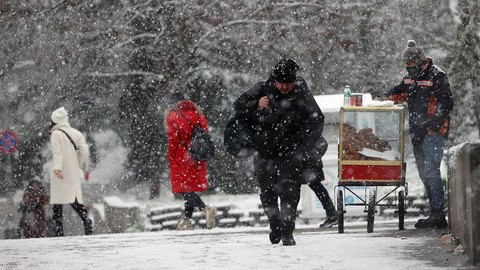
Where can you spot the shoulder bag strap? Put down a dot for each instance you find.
(184, 117)
(198, 119)
(69, 138)
(190, 123)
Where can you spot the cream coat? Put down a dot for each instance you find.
(70, 162)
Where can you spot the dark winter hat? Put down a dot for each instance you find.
(413, 53)
(174, 98)
(285, 71)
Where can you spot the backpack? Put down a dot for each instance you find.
(201, 145)
(314, 163)
(238, 137)
(321, 145)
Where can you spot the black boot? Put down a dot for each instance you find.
(275, 236)
(288, 240)
(58, 219)
(58, 228)
(287, 228)
(83, 214)
(275, 232)
(436, 220)
(88, 227)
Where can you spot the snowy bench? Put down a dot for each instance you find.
(120, 215)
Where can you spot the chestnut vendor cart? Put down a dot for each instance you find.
(371, 159)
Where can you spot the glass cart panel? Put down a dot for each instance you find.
(371, 146)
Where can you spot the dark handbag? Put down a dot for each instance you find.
(313, 162)
(201, 147)
(321, 146)
(238, 137)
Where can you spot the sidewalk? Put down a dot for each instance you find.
(239, 248)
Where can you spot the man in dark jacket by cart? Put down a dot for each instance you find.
(287, 123)
(427, 92)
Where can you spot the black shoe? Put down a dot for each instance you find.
(421, 221)
(275, 237)
(275, 231)
(436, 220)
(288, 240)
(58, 229)
(88, 227)
(330, 221)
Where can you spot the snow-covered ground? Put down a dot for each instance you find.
(239, 247)
(234, 248)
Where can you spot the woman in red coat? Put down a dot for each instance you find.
(187, 175)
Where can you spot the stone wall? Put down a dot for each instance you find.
(464, 197)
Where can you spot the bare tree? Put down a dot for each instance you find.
(112, 63)
(465, 73)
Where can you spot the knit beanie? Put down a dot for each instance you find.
(285, 71)
(60, 116)
(413, 53)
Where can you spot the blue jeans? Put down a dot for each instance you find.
(428, 156)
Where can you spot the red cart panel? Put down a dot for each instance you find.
(371, 172)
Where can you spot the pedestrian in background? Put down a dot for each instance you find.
(286, 123)
(186, 174)
(32, 222)
(314, 176)
(70, 164)
(427, 92)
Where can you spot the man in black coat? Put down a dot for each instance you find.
(286, 123)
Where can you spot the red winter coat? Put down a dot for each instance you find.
(186, 175)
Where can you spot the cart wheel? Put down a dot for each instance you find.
(340, 211)
(371, 211)
(401, 210)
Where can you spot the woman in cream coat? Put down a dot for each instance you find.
(70, 164)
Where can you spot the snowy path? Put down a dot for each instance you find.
(237, 248)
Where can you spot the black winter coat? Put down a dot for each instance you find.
(289, 127)
(429, 100)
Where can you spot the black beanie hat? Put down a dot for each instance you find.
(413, 53)
(174, 98)
(285, 71)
